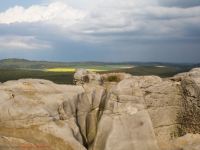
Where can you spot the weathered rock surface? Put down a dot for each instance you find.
(126, 113)
(9, 143)
(163, 100)
(42, 113)
(138, 113)
(187, 142)
(82, 76)
(190, 90)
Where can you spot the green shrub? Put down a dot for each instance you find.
(113, 78)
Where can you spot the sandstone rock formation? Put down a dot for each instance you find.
(125, 123)
(138, 113)
(187, 142)
(42, 113)
(82, 76)
(190, 90)
(10, 143)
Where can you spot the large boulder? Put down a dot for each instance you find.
(190, 90)
(164, 104)
(42, 113)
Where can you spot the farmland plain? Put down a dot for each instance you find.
(62, 73)
(90, 68)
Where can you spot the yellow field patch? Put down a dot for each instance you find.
(95, 70)
(69, 70)
(60, 70)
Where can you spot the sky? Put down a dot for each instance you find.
(101, 30)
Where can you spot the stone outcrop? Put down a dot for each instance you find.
(138, 113)
(163, 100)
(82, 76)
(126, 113)
(42, 113)
(190, 90)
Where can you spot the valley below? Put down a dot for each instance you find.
(62, 72)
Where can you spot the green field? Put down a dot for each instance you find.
(56, 77)
(67, 77)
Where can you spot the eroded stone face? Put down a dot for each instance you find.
(125, 123)
(191, 106)
(42, 113)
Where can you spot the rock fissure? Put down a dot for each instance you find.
(167, 125)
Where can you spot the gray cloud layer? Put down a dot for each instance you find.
(112, 30)
(179, 3)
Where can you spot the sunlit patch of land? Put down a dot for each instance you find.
(95, 68)
(70, 70)
(127, 67)
(160, 66)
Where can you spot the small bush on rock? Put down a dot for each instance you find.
(113, 78)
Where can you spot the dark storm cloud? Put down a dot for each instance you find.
(179, 3)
